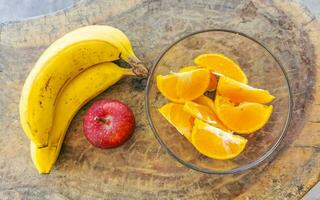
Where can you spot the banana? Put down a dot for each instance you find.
(59, 64)
(78, 92)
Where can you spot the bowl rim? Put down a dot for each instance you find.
(243, 168)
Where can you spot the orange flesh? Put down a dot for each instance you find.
(239, 92)
(213, 78)
(216, 143)
(205, 101)
(213, 82)
(245, 118)
(221, 64)
(203, 113)
(180, 119)
(184, 86)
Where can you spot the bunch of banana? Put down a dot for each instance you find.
(72, 71)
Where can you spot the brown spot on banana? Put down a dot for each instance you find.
(47, 83)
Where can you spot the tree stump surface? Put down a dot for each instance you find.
(141, 169)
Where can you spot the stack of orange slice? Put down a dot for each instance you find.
(209, 124)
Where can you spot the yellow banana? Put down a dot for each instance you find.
(59, 64)
(79, 91)
(121, 41)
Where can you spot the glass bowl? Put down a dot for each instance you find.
(263, 71)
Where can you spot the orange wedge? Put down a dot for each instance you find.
(213, 82)
(205, 101)
(180, 119)
(203, 113)
(188, 68)
(239, 92)
(221, 64)
(213, 78)
(184, 86)
(244, 118)
(216, 143)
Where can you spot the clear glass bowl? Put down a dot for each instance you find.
(263, 71)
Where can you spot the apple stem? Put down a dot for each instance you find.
(100, 119)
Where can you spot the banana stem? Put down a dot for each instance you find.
(138, 67)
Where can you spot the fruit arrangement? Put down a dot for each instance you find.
(72, 71)
(214, 125)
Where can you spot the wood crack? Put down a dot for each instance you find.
(316, 147)
(308, 22)
(315, 122)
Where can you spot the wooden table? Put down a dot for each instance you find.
(141, 169)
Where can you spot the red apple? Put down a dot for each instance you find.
(108, 123)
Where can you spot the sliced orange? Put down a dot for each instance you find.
(213, 78)
(180, 119)
(188, 68)
(205, 101)
(244, 118)
(213, 82)
(221, 64)
(203, 113)
(184, 86)
(216, 143)
(239, 92)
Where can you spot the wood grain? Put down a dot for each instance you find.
(141, 169)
